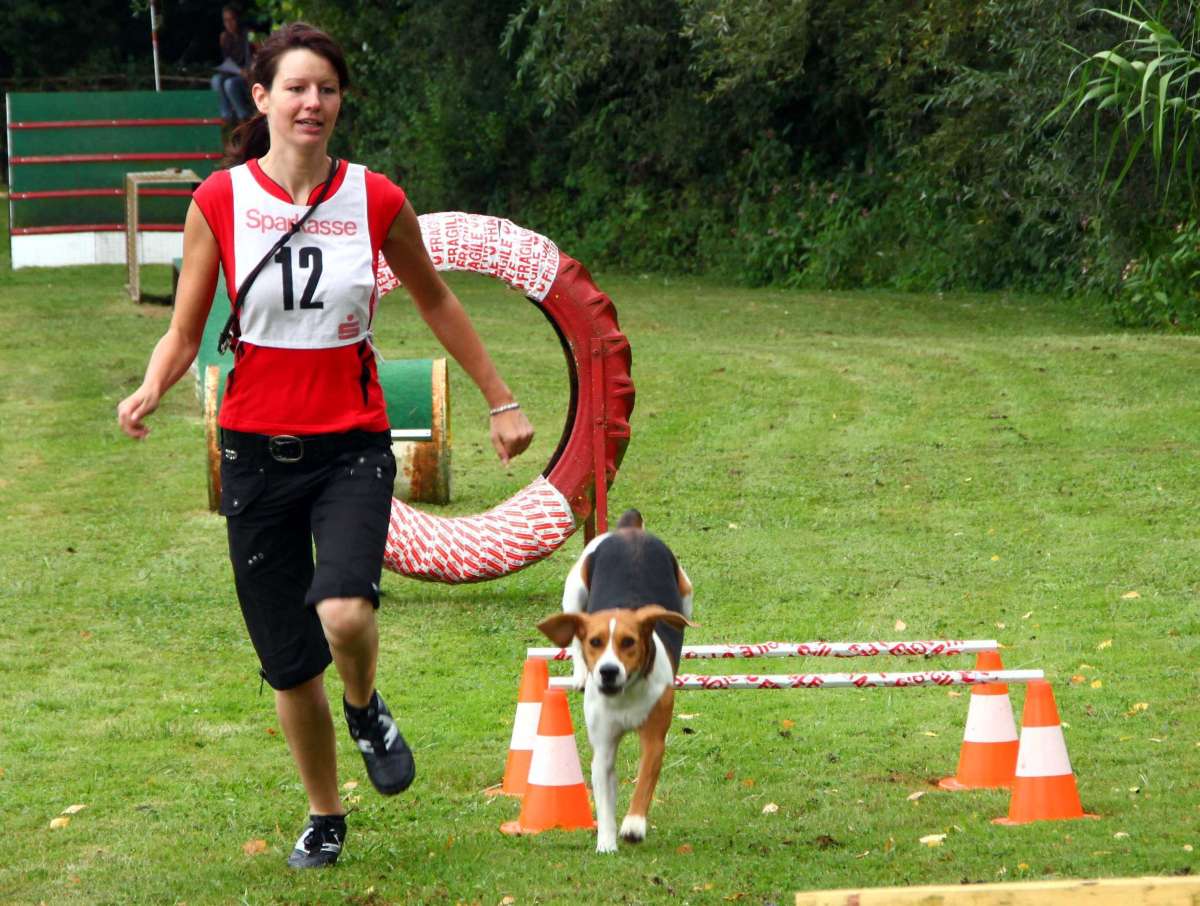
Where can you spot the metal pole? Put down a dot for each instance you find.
(926, 648)
(843, 680)
(154, 41)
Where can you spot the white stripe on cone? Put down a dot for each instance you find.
(525, 725)
(1043, 753)
(990, 719)
(555, 762)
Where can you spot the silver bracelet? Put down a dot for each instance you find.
(507, 407)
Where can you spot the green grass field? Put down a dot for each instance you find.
(826, 466)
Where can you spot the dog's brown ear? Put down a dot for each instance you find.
(651, 612)
(561, 628)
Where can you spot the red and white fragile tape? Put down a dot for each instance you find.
(529, 526)
(492, 246)
(539, 518)
(842, 680)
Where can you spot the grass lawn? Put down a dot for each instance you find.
(826, 466)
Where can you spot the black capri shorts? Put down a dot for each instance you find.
(282, 496)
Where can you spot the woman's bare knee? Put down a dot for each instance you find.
(345, 620)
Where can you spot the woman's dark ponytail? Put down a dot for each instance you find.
(252, 139)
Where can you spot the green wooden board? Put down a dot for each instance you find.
(27, 107)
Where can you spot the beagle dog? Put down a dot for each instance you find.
(625, 605)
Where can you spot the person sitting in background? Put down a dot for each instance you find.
(229, 81)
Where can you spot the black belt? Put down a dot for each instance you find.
(290, 448)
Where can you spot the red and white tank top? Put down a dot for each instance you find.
(304, 364)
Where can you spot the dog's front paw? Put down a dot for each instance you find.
(606, 844)
(633, 828)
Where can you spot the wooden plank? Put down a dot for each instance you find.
(51, 106)
(1150, 891)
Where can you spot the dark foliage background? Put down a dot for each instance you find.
(836, 144)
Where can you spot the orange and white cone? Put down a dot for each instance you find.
(988, 756)
(1044, 788)
(555, 796)
(535, 679)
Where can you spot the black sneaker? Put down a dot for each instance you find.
(388, 758)
(321, 842)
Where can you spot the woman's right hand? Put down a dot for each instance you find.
(134, 408)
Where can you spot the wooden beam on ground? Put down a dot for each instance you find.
(1184, 891)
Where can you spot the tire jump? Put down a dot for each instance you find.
(538, 519)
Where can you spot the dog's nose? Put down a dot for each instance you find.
(609, 674)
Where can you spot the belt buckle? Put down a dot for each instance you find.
(285, 448)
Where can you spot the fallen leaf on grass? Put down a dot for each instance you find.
(508, 901)
(770, 808)
(995, 557)
(787, 724)
(685, 716)
(729, 774)
(1096, 684)
(1129, 595)
(271, 731)
(933, 839)
(748, 782)
(1000, 625)
(684, 850)
(350, 785)
(863, 854)
(1107, 643)
(889, 844)
(953, 693)
(1077, 679)
(901, 626)
(1120, 835)
(1187, 847)
(1, 773)
(59, 823)
(254, 847)
(1022, 866)
(928, 733)
(1026, 615)
(1137, 708)
(913, 797)
(73, 809)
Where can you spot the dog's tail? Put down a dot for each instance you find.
(631, 518)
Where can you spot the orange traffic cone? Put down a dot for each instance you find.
(555, 796)
(1044, 788)
(535, 678)
(988, 756)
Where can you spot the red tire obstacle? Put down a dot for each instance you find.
(535, 521)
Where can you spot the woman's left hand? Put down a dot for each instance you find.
(511, 434)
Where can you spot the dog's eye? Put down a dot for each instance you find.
(596, 641)
(628, 642)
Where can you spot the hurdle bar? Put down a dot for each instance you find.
(716, 682)
(927, 648)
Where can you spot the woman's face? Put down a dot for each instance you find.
(303, 101)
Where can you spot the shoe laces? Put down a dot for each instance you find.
(320, 836)
(376, 727)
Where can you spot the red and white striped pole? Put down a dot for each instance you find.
(154, 41)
